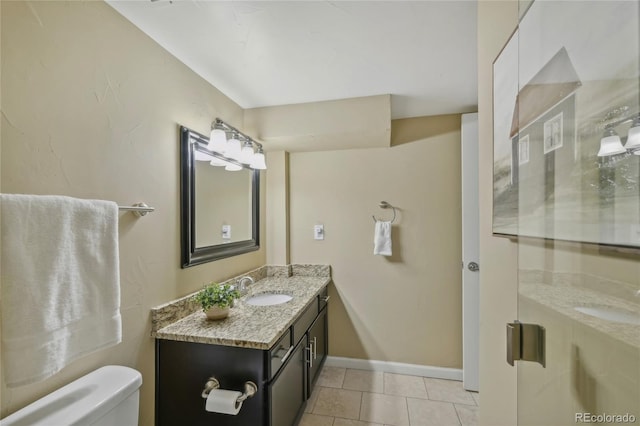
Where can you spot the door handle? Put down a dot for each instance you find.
(287, 355)
(473, 266)
(513, 342)
(315, 348)
(525, 342)
(310, 349)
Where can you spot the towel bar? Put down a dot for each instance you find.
(139, 209)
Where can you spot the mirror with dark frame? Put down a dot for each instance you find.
(219, 208)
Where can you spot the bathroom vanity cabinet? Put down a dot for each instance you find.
(284, 374)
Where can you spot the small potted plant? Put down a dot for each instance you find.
(216, 299)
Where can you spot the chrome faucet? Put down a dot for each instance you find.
(240, 283)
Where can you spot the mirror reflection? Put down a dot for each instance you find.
(223, 205)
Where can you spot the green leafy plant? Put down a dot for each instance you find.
(215, 294)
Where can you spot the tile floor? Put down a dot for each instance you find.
(347, 397)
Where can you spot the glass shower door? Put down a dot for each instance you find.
(576, 178)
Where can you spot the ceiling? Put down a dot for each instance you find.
(267, 53)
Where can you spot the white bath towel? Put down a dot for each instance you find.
(382, 238)
(60, 283)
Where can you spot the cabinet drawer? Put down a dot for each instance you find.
(305, 320)
(279, 354)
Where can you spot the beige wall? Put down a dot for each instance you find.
(328, 125)
(498, 256)
(407, 307)
(91, 108)
(277, 218)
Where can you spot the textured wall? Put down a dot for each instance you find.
(90, 109)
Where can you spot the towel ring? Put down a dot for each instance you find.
(385, 205)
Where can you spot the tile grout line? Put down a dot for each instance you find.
(406, 405)
(457, 414)
(426, 388)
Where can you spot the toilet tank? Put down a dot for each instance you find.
(108, 396)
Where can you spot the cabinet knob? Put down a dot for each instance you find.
(326, 298)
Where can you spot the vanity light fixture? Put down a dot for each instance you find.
(258, 162)
(633, 137)
(201, 156)
(218, 162)
(611, 143)
(240, 148)
(233, 149)
(231, 167)
(246, 155)
(217, 140)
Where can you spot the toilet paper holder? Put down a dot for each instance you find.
(250, 389)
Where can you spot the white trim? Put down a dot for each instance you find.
(395, 367)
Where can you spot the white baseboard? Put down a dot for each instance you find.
(395, 367)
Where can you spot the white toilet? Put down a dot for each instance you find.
(108, 396)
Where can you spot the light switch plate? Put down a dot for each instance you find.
(226, 232)
(318, 232)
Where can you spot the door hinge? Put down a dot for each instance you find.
(525, 342)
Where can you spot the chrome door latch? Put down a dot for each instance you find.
(525, 342)
(473, 266)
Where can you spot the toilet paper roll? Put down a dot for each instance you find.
(223, 401)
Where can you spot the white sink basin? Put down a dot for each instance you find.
(268, 299)
(610, 314)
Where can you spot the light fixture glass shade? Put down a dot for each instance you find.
(218, 162)
(233, 149)
(257, 162)
(633, 137)
(201, 156)
(247, 153)
(217, 141)
(610, 144)
(232, 167)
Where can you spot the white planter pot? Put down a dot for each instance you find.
(217, 313)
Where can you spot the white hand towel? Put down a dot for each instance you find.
(60, 283)
(382, 238)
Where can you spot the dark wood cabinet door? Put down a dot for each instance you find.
(318, 341)
(184, 367)
(288, 389)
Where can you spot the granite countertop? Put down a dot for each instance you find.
(565, 297)
(248, 326)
